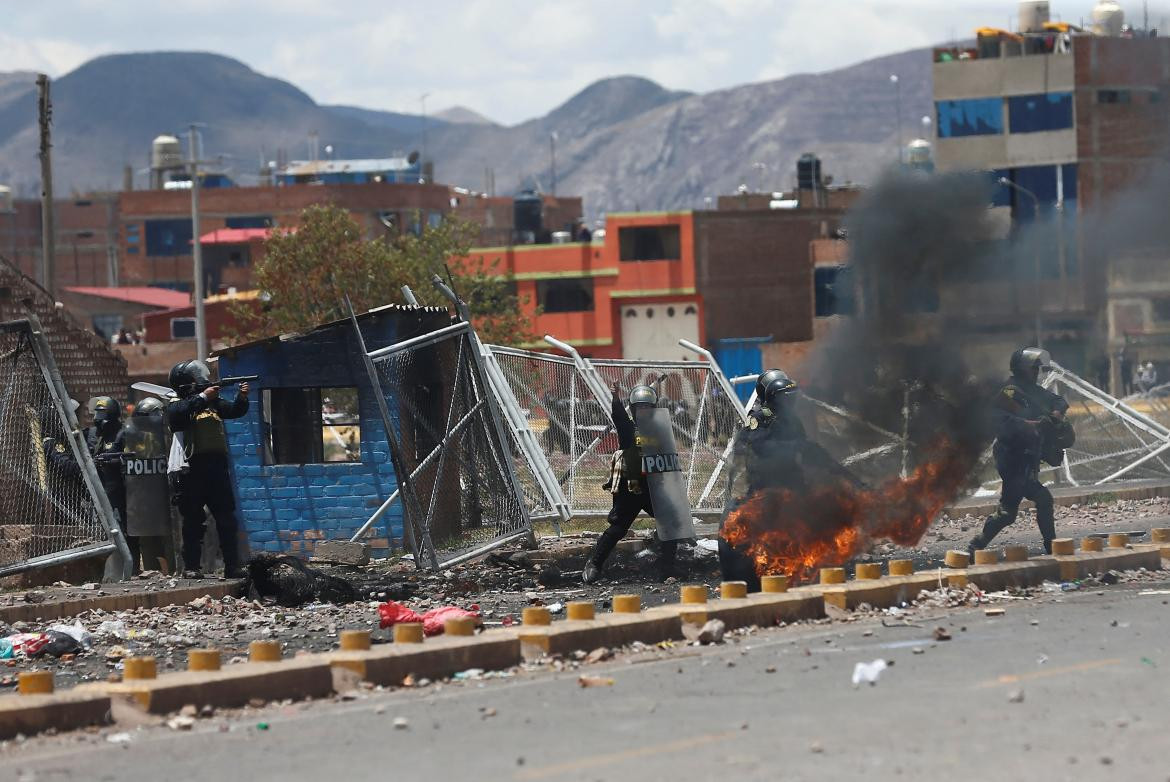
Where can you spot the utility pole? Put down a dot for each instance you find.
(48, 249)
(423, 152)
(898, 107)
(552, 144)
(196, 245)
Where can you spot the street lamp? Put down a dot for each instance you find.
(898, 107)
(1035, 257)
(552, 145)
(422, 99)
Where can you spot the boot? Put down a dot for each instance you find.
(1048, 545)
(591, 574)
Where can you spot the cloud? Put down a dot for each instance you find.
(508, 59)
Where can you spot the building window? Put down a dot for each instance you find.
(1161, 308)
(311, 425)
(833, 290)
(1155, 96)
(974, 117)
(1113, 96)
(248, 221)
(649, 243)
(1039, 113)
(182, 328)
(168, 237)
(566, 295)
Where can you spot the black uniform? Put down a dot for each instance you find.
(207, 482)
(1023, 418)
(630, 493)
(772, 452)
(105, 444)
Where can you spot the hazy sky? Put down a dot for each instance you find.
(508, 59)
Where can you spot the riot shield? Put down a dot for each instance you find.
(664, 479)
(148, 509)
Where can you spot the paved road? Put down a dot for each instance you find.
(1091, 666)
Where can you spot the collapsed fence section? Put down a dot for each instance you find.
(52, 505)
(454, 463)
(566, 403)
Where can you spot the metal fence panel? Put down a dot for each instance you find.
(52, 509)
(456, 471)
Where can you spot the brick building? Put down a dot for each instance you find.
(1071, 121)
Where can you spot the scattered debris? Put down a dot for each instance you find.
(119, 738)
(941, 634)
(599, 654)
(1016, 696)
(710, 633)
(181, 722)
(401, 723)
(594, 681)
(868, 673)
(994, 611)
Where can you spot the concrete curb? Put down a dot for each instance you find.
(308, 676)
(1064, 500)
(57, 609)
(321, 675)
(31, 714)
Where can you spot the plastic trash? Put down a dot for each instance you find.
(114, 627)
(59, 644)
(705, 547)
(28, 644)
(6, 651)
(76, 632)
(433, 621)
(868, 673)
(555, 608)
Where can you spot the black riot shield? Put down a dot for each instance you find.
(664, 479)
(148, 510)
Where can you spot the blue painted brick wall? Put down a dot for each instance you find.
(290, 507)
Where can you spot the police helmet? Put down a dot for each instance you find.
(643, 395)
(149, 406)
(106, 408)
(186, 375)
(765, 378)
(779, 385)
(1026, 359)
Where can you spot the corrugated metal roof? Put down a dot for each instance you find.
(363, 165)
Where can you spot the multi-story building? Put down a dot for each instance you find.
(1066, 122)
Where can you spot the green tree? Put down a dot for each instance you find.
(307, 272)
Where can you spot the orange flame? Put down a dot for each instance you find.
(797, 533)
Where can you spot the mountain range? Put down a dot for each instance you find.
(622, 143)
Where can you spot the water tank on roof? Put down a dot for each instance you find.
(918, 152)
(5, 199)
(528, 213)
(1033, 16)
(166, 152)
(808, 172)
(1108, 18)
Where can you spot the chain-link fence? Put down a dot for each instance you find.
(566, 404)
(52, 508)
(454, 460)
(1114, 440)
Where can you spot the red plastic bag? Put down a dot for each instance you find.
(393, 613)
(432, 621)
(28, 644)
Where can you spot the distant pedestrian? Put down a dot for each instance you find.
(1100, 369)
(1126, 364)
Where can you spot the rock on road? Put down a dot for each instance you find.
(1069, 686)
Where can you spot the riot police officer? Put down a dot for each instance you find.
(772, 452)
(1029, 427)
(104, 439)
(627, 484)
(197, 416)
(148, 507)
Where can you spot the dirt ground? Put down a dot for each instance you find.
(499, 587)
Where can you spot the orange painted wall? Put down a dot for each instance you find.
(597, 333)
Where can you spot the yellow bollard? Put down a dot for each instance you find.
(203, 660)
(1092, 544)
(732, 590)
(693, 593)
(957, 559)
(536, 616)
(35, 682)
(986, 557)
(580, 610)
(627, 604)
(1015, 553)
(1118, 540)
(408, 633)
(867, 571)
(832, 575)
(264, 651)
(354, 640)
(901, 567)
(459, 625)
(1063, 547)
(139, 668)
(774, 584)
